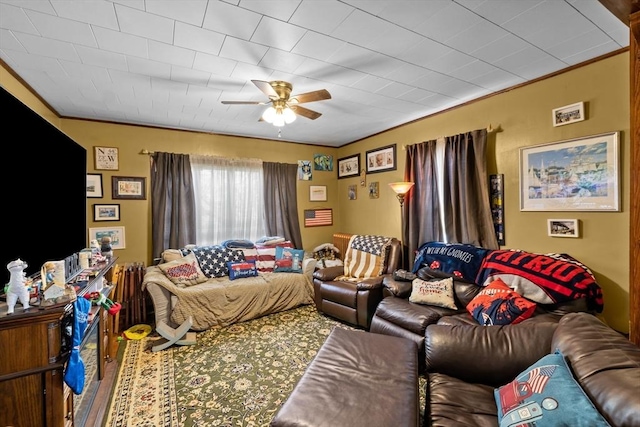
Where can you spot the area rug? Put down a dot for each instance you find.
(234, 376)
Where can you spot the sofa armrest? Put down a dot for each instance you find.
(370, 283)
(491, 355)
(397, 288)
(328, 274)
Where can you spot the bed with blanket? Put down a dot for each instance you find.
(217, 286)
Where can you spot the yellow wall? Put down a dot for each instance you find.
(523, 116)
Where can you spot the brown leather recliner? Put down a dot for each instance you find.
(353, 302)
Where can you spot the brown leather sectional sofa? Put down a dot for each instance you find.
(395, 315)
(465, 363)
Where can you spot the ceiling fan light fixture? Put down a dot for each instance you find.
(278, 120)
(269, 114)
(289, 115)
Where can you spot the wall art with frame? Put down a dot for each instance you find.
(496, 194)
(563, 228)
(128, 187)
(318, 193)
(568, 114)
(349, 166)
(106, 158)
(116, 234)
(381, 159)
(94, 185)
(580, 174)
(106, 212)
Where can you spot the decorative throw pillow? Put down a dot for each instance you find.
(184, 271)
(498, 304)
(213, 259)
(288, 260)
(266, 261)
(459, 260)
(546, 394)
(433, 292)
(241, 269)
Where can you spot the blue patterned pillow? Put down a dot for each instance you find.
(241, 269)
(546, 393)
(458, 260)
(213, 259)
(288, 260)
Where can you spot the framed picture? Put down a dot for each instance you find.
(496, 193)
(305, 172)
(318, 217)
(575, 175)
(349, 166)
(128, 187)
(318, 193)
(106, 158)
(568, 114)
(94, 185)
(563, 228)
(352, 192)
(374, 190)
(381, 159)
(116, 234)
(106, 212)
(322, 162)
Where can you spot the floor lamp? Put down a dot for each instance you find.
(401, 189)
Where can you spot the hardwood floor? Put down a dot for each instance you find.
(102, 399)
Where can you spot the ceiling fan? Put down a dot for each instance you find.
(284, 106)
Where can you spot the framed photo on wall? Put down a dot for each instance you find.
(349, 166)
(116, 234)
(128, 187)
(318, 193)
(575, 175)
(106, 158)
(106, 212)
(94, 185)
(563, 228)
(381, 159)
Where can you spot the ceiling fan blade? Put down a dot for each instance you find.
(305, 112)
(266, 88)
(246, 102)
(317, 95)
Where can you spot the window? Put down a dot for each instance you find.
(229, 199)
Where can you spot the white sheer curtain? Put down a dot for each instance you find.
(229, 199)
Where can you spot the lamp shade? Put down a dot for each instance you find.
(269, 114)
(401, 187)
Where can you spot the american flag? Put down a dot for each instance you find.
(318, 217)
(538, 377)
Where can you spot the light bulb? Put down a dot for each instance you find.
(289, 115)
(278, 120)
(269, 114)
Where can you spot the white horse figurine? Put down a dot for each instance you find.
(17, 289)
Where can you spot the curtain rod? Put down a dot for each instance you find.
(145, 151)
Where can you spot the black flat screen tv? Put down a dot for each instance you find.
(43, 183)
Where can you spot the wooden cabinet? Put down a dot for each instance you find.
(34, 347)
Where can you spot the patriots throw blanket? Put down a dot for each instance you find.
(365, 257)
(546, 279)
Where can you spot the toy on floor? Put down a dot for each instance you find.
(17, 289)
(98, 298)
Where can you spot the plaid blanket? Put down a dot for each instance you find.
(365, 257)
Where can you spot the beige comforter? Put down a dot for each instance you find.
(222, 302)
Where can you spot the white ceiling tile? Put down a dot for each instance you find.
(516, 60)
(328, 72)
(497, 79)
(571, 46)
(318, 46)
(144, 24)
(278, 9)
(214, 64)
(321, 16)
(198, 39)
(170, 54)
(595, 12)
(278, 34)
(360, 28)
(116, 41)
(476, 36)
(13, 18)
(224, 18)
(394, 40)
(545, 65)
(415, 94)
(431, 81)
(500, 48)
(9, 41)
(62, 29)
(148, 67)
(447, 22)
(457, 88)
(425, 52)
(408, 73)
(190, 76)
(242, 51)
(472, 70)
(48, 47)
(451, 61)
(280, 60)
(251, 72)
(77, 71)
(136, 4)
(100, 13)
(410, 13)
(371, 83)
(189, 11)
(500, 11)
(395, 90)
(591, 53)
(102, 58)
(130, 79)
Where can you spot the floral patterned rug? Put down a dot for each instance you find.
(239, 375)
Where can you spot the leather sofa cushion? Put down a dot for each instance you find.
(453, 402)
(605, 363)
(410, 316)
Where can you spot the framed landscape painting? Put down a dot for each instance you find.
(575, 175)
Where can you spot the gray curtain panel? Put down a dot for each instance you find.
(281, 201)
(421, 215)
(466, 190)
(173, 208)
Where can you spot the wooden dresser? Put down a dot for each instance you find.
(34, 348)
